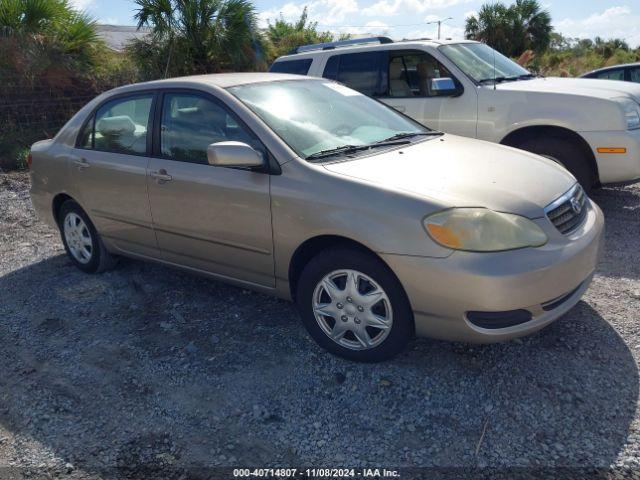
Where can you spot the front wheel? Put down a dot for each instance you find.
(353, 306)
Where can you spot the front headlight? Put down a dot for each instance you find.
(483, 230)
(631, 111)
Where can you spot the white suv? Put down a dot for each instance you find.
(592, 127)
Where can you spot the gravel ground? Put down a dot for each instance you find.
(145, 371)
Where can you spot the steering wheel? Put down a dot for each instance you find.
(342, 130)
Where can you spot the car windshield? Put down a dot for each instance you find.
(322, 118)
(477, 61)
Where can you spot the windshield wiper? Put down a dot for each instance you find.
(524, 76)
(401, 135)
(347, 149)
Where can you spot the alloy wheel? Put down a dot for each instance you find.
(78, 238)
(352, 309)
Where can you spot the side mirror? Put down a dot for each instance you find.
(444, 86)
(233, 154)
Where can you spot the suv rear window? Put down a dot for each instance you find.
(297, 67)
(360, 71)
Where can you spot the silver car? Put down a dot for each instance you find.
(377, 227)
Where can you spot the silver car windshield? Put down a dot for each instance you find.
(477, 61)
(320, 118)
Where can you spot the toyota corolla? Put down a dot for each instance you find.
(377, 227)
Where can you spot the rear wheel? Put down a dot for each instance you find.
(81, 240)
(566, 153)
(353, 306)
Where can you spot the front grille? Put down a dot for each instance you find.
(568, 211)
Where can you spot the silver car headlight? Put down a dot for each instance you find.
(483, 230)
(631, 111)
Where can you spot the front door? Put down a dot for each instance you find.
(109, 170)
(411, 90)
(209, 218)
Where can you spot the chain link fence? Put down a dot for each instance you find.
(31, 111)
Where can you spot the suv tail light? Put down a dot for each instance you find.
(29, 161)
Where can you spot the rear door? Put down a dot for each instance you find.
(209, 218)
(109, 170)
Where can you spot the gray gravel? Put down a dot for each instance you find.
(145, 370)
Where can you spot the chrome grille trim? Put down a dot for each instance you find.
(568, 211)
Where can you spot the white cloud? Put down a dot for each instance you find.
(447, 31)
(614, 22)
(470, 13)
(395, 7)
(375, 27)
(81, 4)
(326, 12)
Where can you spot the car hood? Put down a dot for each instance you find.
(452, 171)
(605, 89)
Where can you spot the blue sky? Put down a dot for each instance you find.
(409, 18)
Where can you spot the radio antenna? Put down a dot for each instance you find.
(494, 68)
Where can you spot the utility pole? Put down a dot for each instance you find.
(439, 22)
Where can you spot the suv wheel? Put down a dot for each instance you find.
(353, 306)
(81, 240)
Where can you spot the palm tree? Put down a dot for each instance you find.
(197, 36)
(41, 35)
(491, 26)
(531, 26)
(512, 30)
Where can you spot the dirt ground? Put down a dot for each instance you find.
(148, 372)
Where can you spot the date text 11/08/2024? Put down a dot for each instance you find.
(315, 473)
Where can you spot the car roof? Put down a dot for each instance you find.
(220, 80)
(613, 67)
(376, 46)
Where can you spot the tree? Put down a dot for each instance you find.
(512, 30)
(285, 36)
(197, 36)
(46, 35)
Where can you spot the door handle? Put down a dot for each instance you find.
(81, 164)
(161, 176)
(399, 108)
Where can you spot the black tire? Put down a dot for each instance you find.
(402, 326)
(100, 259)
(565, 152)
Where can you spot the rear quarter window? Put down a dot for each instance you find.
(296, 67)
(360, 71)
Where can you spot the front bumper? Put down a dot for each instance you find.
(443, 290)
(616, 167)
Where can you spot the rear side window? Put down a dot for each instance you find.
(611, 75)
(634, 74)
(119, 126)
(296, 67)
(360, 71)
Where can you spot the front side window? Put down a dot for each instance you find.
(120, 126)
(316, 116)
(296, 67)
(360, 71)
(411, 74)
(634, 74)
(191, 122)
(482, 63)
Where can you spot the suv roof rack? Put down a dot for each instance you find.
(340, 43)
